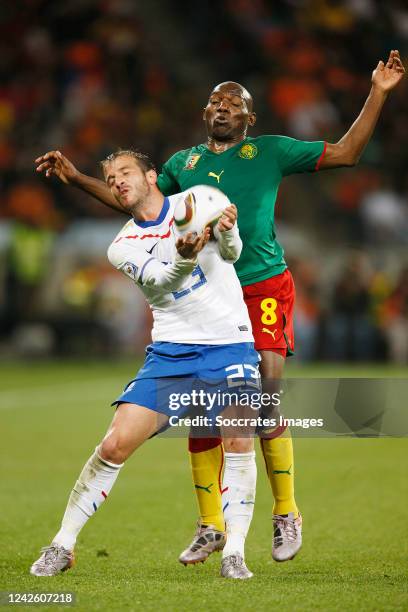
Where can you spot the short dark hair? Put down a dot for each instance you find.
(143, 160)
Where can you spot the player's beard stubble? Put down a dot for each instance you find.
(142, 193)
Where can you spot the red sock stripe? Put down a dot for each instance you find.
(104, 494)
(222, 465)
(275, 433)
(263, 455)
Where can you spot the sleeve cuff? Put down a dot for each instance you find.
(319, 161)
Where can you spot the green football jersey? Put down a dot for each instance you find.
(249, 174)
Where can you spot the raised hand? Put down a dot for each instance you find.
(190, 245)
(55, 163)
(228, 219)
(387, 76)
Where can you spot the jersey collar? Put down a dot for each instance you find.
(238, 144)
(160, 218)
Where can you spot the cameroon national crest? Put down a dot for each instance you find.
(192, 161)
(248, 151)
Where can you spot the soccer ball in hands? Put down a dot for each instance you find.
(198, 208)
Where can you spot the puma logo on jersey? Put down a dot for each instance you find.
(216, 176)
(268, 331)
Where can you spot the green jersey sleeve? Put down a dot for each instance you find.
(298, 155)
(167, 181)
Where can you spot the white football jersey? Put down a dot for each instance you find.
(193, 301)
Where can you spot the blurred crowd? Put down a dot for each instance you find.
(364, 317)
(89, 76)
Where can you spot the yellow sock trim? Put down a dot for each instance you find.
(278, 455)
(206, 468)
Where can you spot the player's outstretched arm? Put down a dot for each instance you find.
(54, 163)
(227, 235)
(348, 150)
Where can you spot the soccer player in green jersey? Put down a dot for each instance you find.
(249, 170)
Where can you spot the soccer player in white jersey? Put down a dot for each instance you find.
(201, 330)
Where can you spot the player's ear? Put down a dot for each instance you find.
(151, 177)
(252, 119)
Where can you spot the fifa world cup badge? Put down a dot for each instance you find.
(248, 151)
(192, 162)
(130, 269)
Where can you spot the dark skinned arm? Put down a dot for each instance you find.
(55, 163)
(347, 151)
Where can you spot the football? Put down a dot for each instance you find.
(199, 207)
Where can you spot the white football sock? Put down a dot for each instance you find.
(90, 490)
(238, 499)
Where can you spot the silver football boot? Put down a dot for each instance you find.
(207, 539)
(54, 559)
(287, 536)
(234, 566)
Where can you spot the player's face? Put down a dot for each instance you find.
(228, 112)
(127, 182)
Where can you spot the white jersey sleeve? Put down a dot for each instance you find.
(148, 271)
(229, 243)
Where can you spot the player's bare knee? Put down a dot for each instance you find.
(238, 445)
(111, 450)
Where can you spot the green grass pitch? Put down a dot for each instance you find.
(353, 494)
